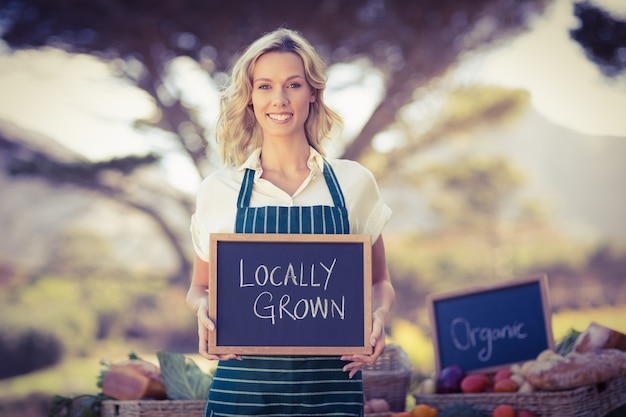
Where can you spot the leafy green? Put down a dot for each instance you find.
(567, 343)
(182, 377)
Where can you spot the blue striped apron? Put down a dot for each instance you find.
(287, 386)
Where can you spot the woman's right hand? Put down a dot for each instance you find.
(206, 325)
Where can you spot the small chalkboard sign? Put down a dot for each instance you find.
(484, 329)
(290, 293)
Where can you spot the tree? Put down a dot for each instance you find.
(602, 36)
(411, 42)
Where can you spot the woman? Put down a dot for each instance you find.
(271, 125)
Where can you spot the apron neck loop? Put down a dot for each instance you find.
(245, 192)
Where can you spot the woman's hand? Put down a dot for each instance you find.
(377, 339)
(206, 325)
(198, 301)
(383, 296)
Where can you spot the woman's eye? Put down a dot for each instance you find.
(295, 85)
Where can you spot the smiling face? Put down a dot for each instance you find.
(281, 95)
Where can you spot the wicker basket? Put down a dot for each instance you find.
(589, 401)
(389, 378)
(155, 408)
(113, 408)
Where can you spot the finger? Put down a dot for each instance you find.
(206, 322)
(353, 372)
(378, 350)
(377, 331)
(371, 359)
(364, 358)
(230, 356)
(210, 325)
(352, 368)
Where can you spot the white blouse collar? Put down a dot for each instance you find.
(254, 160)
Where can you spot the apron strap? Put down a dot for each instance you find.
(333, 185)
(245, 191)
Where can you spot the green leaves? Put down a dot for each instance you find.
(182, 377)
(566, 345)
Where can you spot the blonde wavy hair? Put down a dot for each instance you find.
(237, 131)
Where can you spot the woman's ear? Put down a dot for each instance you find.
(313, 98)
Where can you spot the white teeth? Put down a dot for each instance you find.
(279, 117)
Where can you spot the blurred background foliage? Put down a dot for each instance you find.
(79, 303)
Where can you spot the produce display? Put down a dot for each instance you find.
(597, 337)
(594, 356)
(134, 379)
(576, 369)
(176, 377)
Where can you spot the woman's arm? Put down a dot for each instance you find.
(383, 297)
(383, 293)
(197, 294)
(197, 300)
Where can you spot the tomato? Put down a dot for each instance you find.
(503, 410)
(474, 383)
(423, 410)
(502, 374)
(505, 385)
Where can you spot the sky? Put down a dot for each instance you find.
(75, 100)
(565, 86)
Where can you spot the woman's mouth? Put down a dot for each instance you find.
(280, 117)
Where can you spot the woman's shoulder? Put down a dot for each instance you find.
(347, 168)
(221, 178)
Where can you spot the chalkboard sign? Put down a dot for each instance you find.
(290, 294)
(485, 329)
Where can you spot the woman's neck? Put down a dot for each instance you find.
(285, 155)
(285, 165)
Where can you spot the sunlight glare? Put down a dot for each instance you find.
(73, 99)
(565, 86)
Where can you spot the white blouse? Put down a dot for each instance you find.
(216, 202)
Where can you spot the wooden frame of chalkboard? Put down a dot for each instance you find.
(485, 329)
(290, 293)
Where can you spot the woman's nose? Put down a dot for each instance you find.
(280, 97)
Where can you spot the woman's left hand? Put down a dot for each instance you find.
(377, 339)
